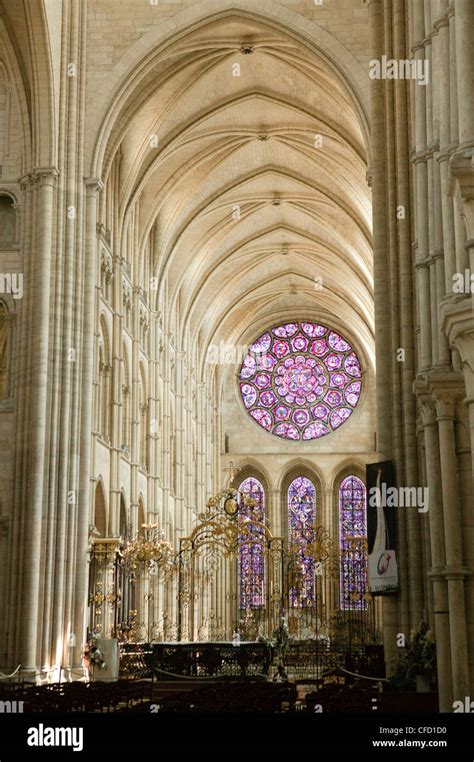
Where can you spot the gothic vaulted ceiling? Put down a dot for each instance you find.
(246, 149)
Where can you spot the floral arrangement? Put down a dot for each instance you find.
(92, 654)
(419, 658)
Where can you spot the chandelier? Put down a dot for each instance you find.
(148, 552)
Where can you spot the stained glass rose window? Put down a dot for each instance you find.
(300, 381)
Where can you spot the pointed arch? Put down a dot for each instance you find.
(103, 381)
(125, 436)
(352, 514)
(123, 518)
(144, 57)
(100, 509)
(251, 555)
(302, 512)
(143, 420)
(141, 517)
(8, 223)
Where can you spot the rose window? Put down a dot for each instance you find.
(300, 381)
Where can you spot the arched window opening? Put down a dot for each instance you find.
(100, 511)
(353, 544)
(251, 550)
(143, 418)
(141, 513)
(104, 381)
(123, 525)
(126, 402)
(7, 222)
(301, 521)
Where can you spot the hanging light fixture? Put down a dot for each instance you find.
(149, 551)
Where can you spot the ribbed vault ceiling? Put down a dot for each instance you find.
(251, 209)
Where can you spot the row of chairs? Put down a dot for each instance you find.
(78, 697)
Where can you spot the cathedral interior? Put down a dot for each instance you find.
(237, 349)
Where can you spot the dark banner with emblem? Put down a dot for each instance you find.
(381, 529)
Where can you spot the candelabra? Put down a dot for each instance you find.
(149, 551)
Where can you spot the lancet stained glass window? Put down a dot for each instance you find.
(300, 380)
(251, 554)
(301, 520)
(353, 543)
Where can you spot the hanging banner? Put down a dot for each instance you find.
(381, 529)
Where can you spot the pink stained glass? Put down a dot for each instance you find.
(295, 373)
(285, 330)
(352, 544)
(301, 521)
(262, 344)
(251, 550)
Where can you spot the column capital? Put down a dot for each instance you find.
(457, 321)
(443, 155)
(427, 410)
(418, 45)
(441, 21)
(93, 185)
(445, 406)
(420, 157)
(436, 384)
(27, 180)
(436, 573)
(46, 176)
(456, 572)
(462, 170)
(422, 263)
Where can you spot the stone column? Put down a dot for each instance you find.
(458, 324)
(201, 449)
(421, 192)
(464, 21)
(179, 433)
(436, 525)
(22, 376)
(401, 257)
(453, 90)
(39, 375)
(454, 571)
(381, 289)
(93, 186)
